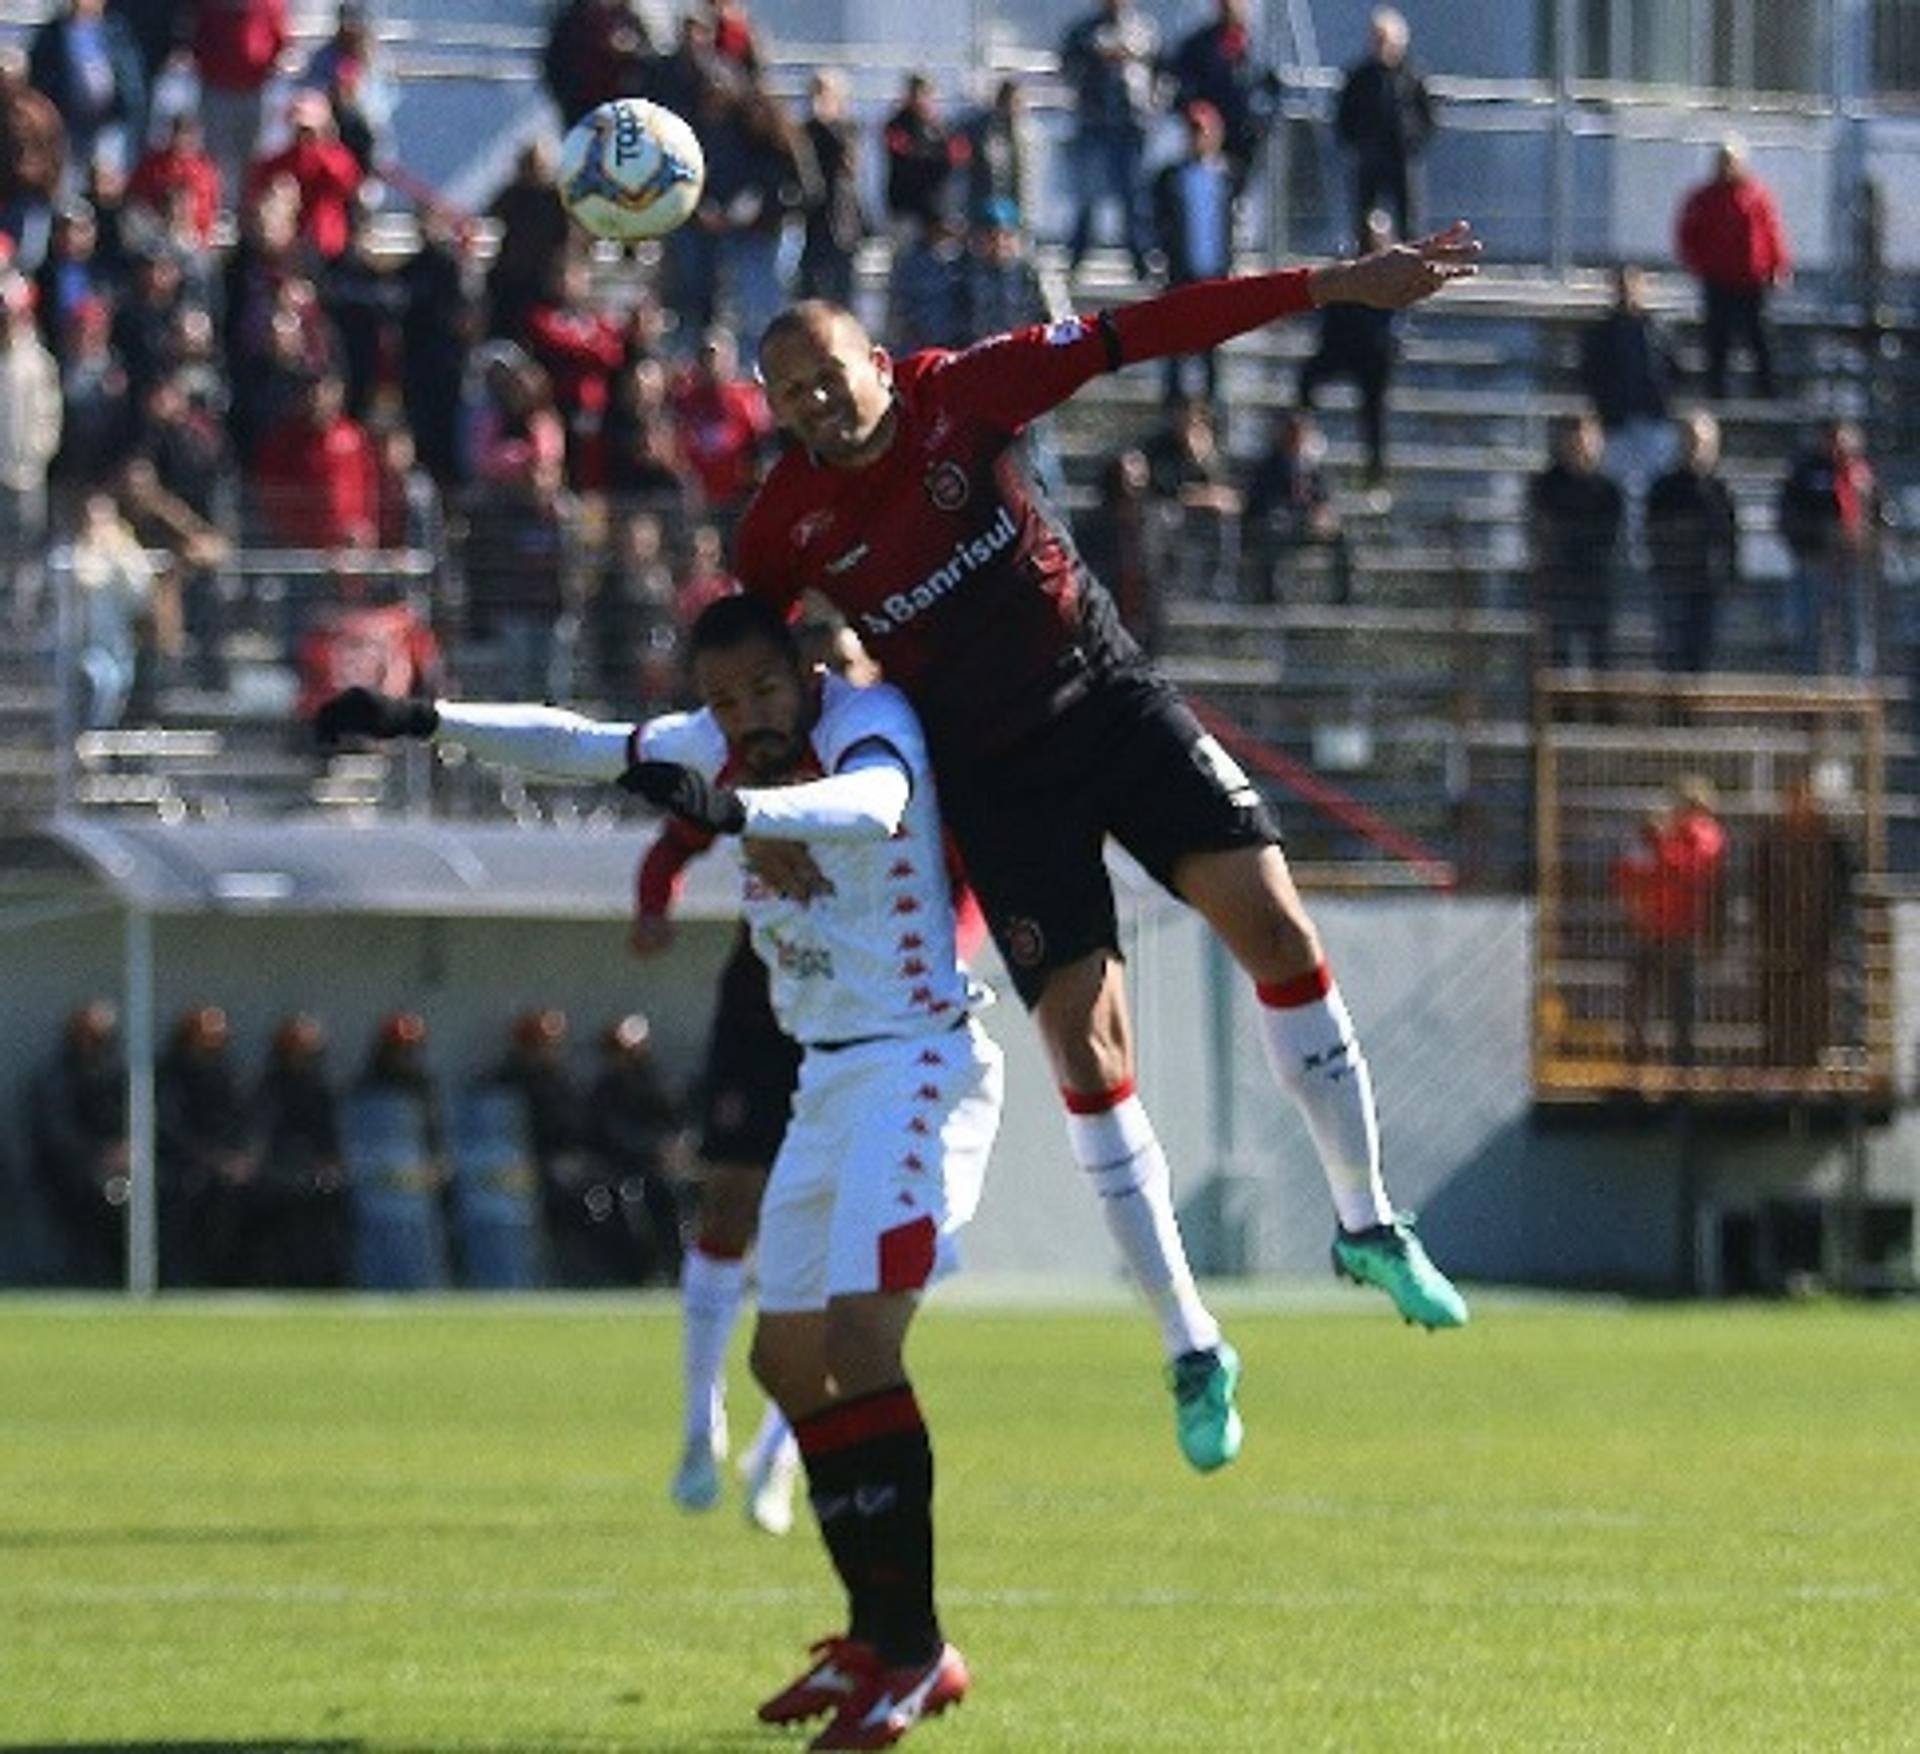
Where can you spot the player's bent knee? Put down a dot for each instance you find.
(866, 1341)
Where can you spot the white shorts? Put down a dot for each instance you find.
(882, 1163)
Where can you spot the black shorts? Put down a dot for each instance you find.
(747, 1085)
(1128, 760)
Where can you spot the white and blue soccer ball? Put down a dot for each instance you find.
(630, 169)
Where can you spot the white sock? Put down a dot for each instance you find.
(710, 1292)
(1316, 1059)
(774, 1431)
(1116, 1146)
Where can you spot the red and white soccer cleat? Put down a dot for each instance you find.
(905, 1697)
(844, 1677)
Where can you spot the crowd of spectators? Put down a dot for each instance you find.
(273, 1179)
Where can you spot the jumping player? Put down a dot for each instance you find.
(895, 1112)
(902, 503)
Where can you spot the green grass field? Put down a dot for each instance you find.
(443, 1526)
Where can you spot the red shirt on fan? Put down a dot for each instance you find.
(1730, 235)
(960, 580)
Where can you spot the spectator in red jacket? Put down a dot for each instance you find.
(236, 44)
(581, 348)
(723, 423)
(179, 168)
(326, 174)
(1669, 887)
(1730, 239)
(316, 475)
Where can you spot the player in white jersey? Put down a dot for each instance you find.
(895, 1112)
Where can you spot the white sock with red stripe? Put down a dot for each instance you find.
(1114, 1142)
(1316, 1059)
(711, 1287)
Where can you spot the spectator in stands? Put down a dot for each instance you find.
(1122, 538)
(1290, 508)
(326, 174)
(519, 571)
(681, 78)
(1802, 881)
(265, 256)
(301, 345)
(631, 628)
(1730, 239)
(926, 292)
(1693, 545)
(1216, 65)
(441, 318)
(97, 410)
(113, 611)
(178, 166)
(346, 70)
(647, 464)
(159, 32)
(1192, 478)
(206, 1168)
(724, 424)
(1193, 219)
(1626, 368)
(314, 475)
(1384, 119)
(1107, 59)
(237, 46)
(836, 218)
(411, 515)
(86, 63)
(30, 416)
(514, 431)
(1830, 515)
(364, 301)
(77, 1127)
(595, 50)
(534, 236)
(705, 578)
(301, 1241)
(634, 1129)
(999, 164)
(754, 168)
(1357, 342)
(735, 44)
(922, 155)
(580, 348)
(75, 269)
(1669, 886)
(1575, 515)
(146, 316)
(999, 288)
(33, 157)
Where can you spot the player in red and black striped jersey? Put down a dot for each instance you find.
(903, 503)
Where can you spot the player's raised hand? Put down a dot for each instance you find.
(1402, 274)
(365, 712)
(688, 794)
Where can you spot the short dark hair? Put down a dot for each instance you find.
(732, 622)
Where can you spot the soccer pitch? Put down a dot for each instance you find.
(444, 1526)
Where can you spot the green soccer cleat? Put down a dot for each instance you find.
(1390, 1256)
(1205, 1418)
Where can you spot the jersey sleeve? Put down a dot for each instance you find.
(857, 721)
(692, 739)
(763, 553)
(657, 882)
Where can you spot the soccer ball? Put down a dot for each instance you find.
(630, 170)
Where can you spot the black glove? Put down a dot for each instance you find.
(691, 796)
(363, 712)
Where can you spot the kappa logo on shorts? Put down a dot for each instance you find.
(948, 487)
(1025, 942)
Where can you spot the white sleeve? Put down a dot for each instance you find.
(692, 739)
(866, 802)
(537, 739)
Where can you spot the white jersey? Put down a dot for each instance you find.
(876, 957)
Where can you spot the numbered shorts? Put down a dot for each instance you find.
(747, 1082)
(1128, 760)
(883, 1162)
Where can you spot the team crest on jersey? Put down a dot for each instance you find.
(948, 487)
(1024, 940)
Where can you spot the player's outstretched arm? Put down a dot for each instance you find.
(543, 740)
(864, 803)
(1403, 275)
